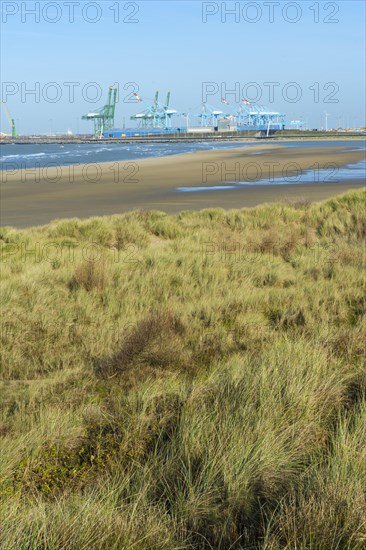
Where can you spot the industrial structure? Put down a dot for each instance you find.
(297, 124)
(251, 116)
(156, 115)
(247, 116)
(259, 117)
(209, 117)
(157, 118)
(11, 120)
(104, 118)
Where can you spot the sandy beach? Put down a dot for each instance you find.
(36, 196)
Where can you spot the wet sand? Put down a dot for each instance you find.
(36, 196)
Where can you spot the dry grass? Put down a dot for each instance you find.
(189, 382)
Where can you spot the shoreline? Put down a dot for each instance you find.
(30, 199)
(180, 139)
(265, 143)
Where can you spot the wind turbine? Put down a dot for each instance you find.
(326, 120)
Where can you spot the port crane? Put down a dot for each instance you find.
(156, 115)
(209, 116)
(167, 113)
(104, 118)
(149, 115)
(11, 120)
(250, 115)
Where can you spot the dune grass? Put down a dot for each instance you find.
(186, 382)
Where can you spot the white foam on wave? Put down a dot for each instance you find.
(34, 155)
(23, 156)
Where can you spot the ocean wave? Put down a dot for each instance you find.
(24, 156)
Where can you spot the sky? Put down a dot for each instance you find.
(303, 59)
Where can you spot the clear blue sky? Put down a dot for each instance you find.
(169, 47)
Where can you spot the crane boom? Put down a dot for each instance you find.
(156, 100)
(167, 101)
